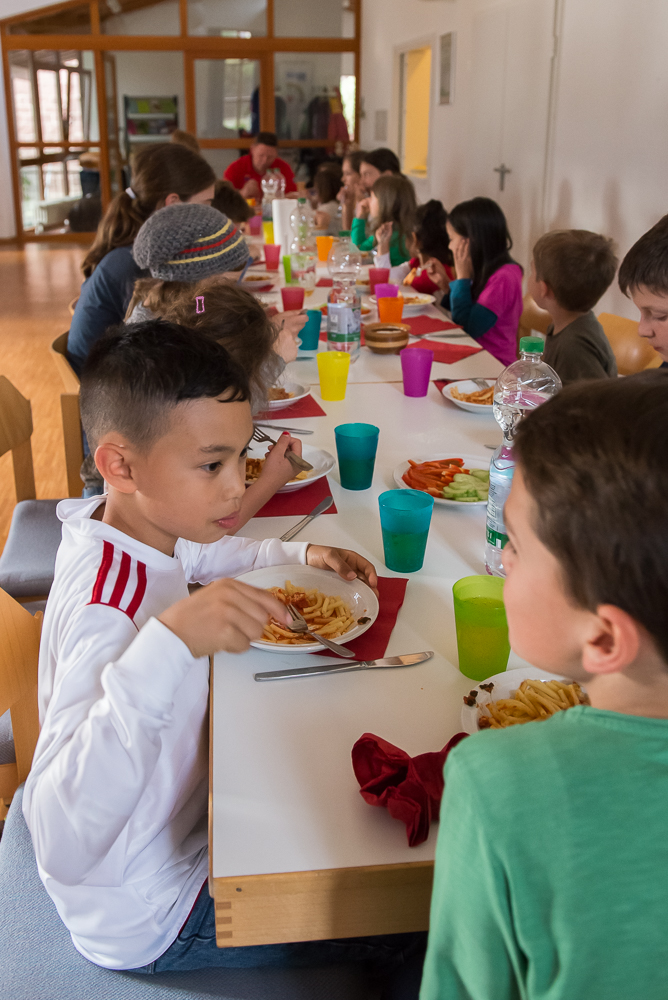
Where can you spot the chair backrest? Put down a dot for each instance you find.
(533, 318)
(70, 414)
(15, 434)
(632, 352)
(19, 651)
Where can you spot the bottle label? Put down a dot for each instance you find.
(343, 321)
(496, 538)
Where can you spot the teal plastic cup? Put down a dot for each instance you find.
(405, 516)
(356, 446)
(309, 335)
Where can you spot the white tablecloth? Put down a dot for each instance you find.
(284, 794)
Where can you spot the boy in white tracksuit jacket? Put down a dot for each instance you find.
(116, 801)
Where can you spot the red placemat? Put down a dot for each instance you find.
(427, 324)
(372, 645)
(298, 501)
(306, 407)
(447, 354)
(324, 283)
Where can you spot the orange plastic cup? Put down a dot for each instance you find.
(324, 244)
(391, 310)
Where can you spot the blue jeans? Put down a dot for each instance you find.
(394, 960)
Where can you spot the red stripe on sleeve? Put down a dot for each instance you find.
(102, 573)
(119, 588)
(133, 606)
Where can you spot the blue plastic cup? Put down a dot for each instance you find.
(309, 335)
(405, 516)
(356, 446)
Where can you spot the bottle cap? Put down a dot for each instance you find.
(532, 345)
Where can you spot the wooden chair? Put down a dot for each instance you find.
(70, 414)
(632, 352)
(28, 559)
(532, 318)
(19, 650)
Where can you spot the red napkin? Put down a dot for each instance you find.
(410, 787)
(427, 324)
(447, 354)
(372, 645)
(298, 501)
(306, 407)
(324, 283)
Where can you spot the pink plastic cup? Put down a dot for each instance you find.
(416, 369)
(255, 225)
(272, 256)
(377, 275)
(385, 291)
(293, 297)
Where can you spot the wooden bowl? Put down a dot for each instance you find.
(386, 338)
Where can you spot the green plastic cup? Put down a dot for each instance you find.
(482, 628)
(405, 516)
(356, 446)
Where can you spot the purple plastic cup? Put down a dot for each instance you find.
(416, 369)
(383, 291)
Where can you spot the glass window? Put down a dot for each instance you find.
(127, 17)
(48, 90)
(21, 78)
(227, 98)
(227, 18)
(72, 21)
(315, 95)
(305, 19)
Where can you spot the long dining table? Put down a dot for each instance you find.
(295, 852)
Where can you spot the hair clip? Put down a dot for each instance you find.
(199, 304)
(131, 193)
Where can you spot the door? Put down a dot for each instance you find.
(513, 45)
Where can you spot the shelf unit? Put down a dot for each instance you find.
(149, 119)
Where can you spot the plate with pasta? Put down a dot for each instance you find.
(525, 694)
(340, 609)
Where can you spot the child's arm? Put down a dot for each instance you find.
(358, 235)
(470, 315)
(276, 472)
(101, 736)
(472, 953)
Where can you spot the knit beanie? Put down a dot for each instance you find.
(189, 242)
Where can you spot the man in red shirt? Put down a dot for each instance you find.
(247, 172)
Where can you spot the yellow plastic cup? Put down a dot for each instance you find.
(324, 244)
(268, 230)
(333, 371)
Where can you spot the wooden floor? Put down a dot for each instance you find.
(36, 284)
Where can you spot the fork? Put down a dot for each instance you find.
(298, 462)
(480, 382)
(299, 624)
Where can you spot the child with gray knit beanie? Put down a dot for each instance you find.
(183, 243)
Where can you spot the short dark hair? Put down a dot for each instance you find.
(355, 157)
(231, 203)
(327, 182)
(383, 159)
(595, 462)
(579, 266)
(135, 374)
(266, 139)
(646, 263)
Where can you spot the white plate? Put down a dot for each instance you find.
(415, 307)
(268, 278)
(300, 391)
(504, 683)
(360, 598)
(465, 385)
(321, 461)
(470, 462)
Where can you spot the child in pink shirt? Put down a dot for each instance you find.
(486, 297)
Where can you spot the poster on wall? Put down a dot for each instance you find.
(447, 67)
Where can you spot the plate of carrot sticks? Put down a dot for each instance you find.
(452, 480)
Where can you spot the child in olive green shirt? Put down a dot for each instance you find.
(552, 850)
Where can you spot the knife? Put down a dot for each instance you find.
(320, 509)
(409, 660)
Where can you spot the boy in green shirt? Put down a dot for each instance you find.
(552, 853)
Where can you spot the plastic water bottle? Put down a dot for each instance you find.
(303, 249)
(344, 306)
(271, 189)
(520, 388)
